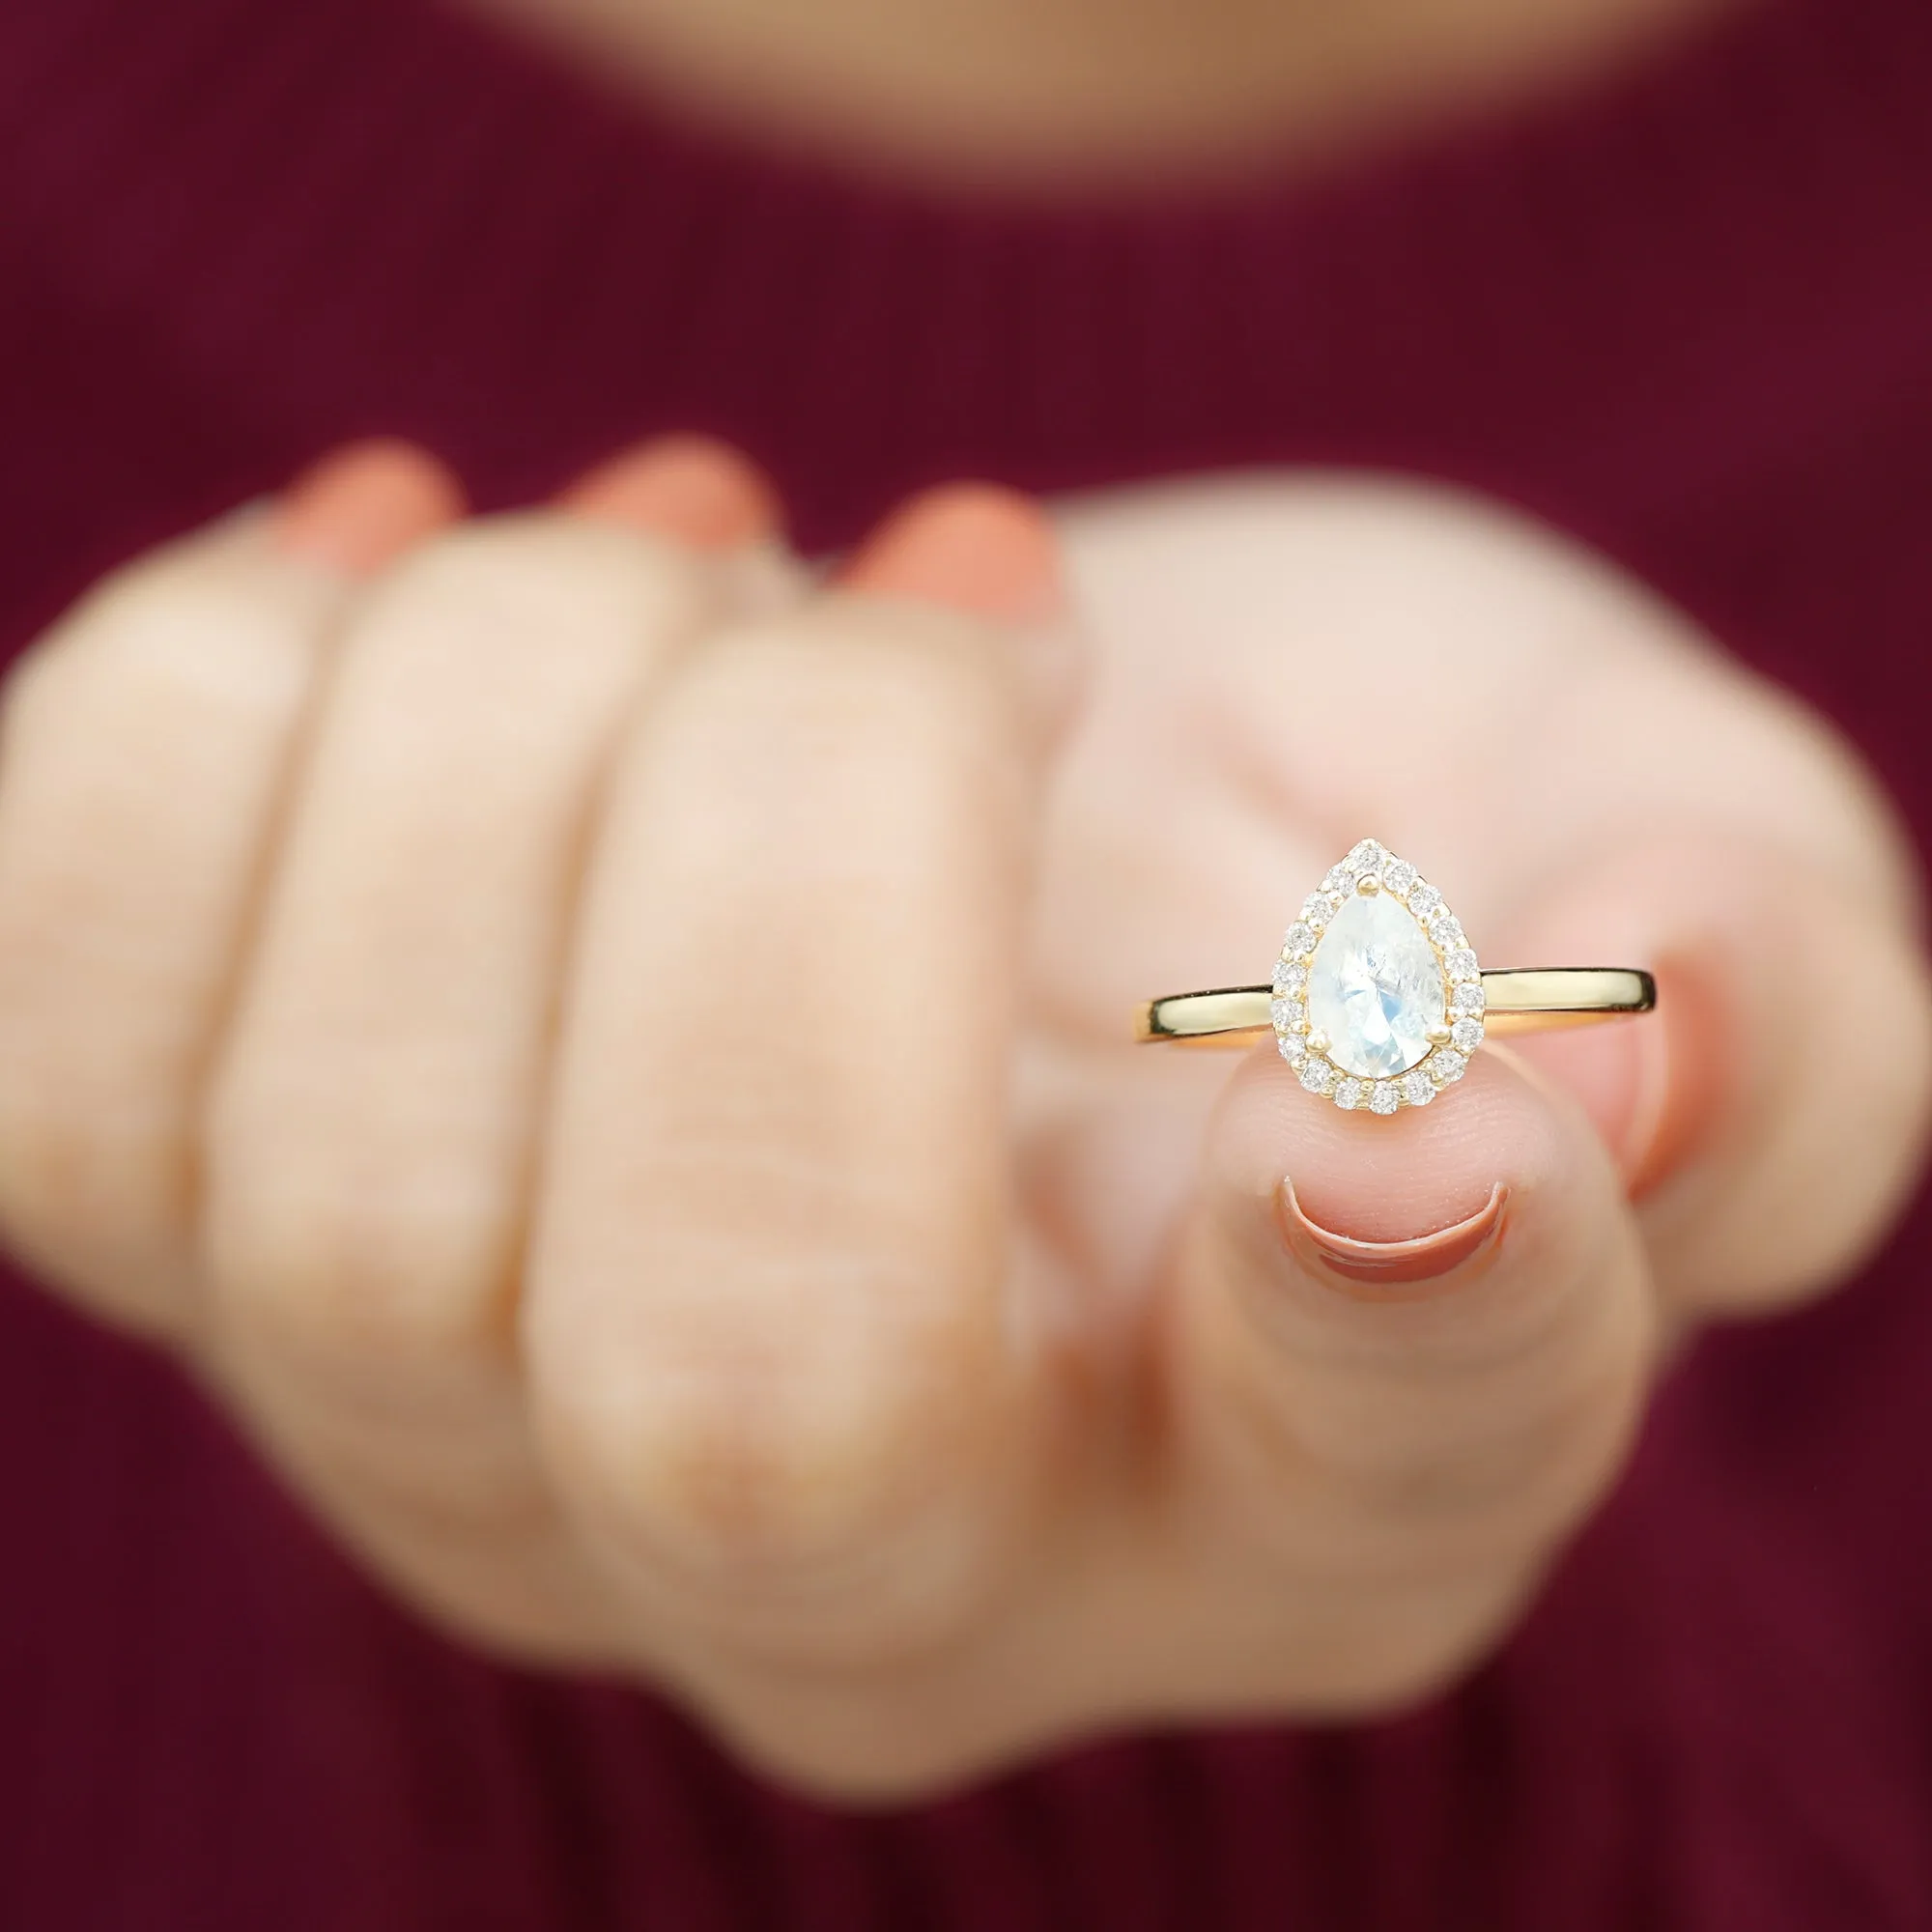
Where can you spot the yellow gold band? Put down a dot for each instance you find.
(1528, 999)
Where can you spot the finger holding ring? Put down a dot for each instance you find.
(1378, 1000)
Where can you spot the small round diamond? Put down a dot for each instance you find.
(1300, 940)
(1461, 964)
(1293, 1048)
(1423, 901)
(1384, 1098)
(1317, 1075)
(1348, 1093)
(1444, 927)
(1317, 909)
(1466, 1035)
(1288, 977)
(1286, 1015)
(1447, 1066)
(1399, 876)
(1364, 856)
(1416, 1089)
(1469, 998)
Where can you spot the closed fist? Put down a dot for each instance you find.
(608, 1055)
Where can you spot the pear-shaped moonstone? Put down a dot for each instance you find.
(1375, 989)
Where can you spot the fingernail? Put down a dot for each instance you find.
(689, 487)
(972, 547)
(360, 507)
(1390, 1265)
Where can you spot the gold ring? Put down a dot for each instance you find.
(1378, 1000)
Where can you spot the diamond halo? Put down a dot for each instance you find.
(1426, 1043)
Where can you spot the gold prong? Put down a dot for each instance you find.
(1439, 1036)
(1319, 1041)
(1368, 885)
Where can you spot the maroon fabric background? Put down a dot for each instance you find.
(1689, 317)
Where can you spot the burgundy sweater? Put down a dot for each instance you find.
(1687, 316)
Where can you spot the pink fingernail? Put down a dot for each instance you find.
(1391, 1265)
(359, 507)
(689, 487)
(990, 552)
(972, 547)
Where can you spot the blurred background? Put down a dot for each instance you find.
(1658, 272)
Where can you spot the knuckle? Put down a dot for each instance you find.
(801, 1491)
(320, 1255)
(725, 1477)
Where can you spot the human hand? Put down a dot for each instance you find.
(612, 1066)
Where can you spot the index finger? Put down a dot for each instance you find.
(1772, 1118)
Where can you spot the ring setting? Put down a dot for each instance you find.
(1378, 1000)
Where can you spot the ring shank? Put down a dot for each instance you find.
(1521, 999)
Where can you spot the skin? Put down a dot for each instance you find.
(608, 1057)
(1031, 94)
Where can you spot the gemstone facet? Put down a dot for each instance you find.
(1378, 998)
(1374, 987)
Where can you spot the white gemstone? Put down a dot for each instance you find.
(1423, 901)
(1398, 876)
(1375, 989)
(1300, 939)
(1339, 880)
(1364, 856)
(1292, 1047)
(1288, 977)
(1416, 1089)
(1461, 964)
(1317, 909)
(1469, 998)
(1466, 1036)
(1384, 1098)
(1286, 1015)
(1444, 927)
(1447, 1066)
(1348, 1093)
(1317, 1075)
